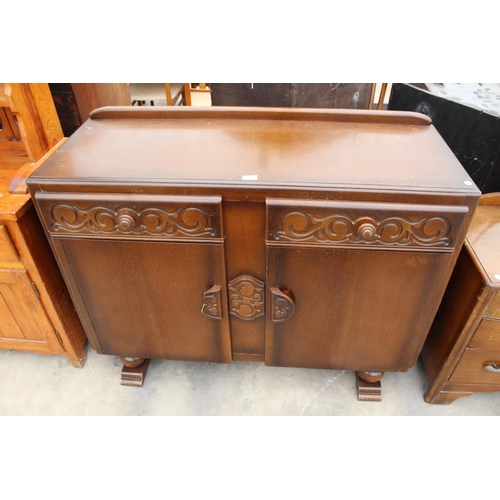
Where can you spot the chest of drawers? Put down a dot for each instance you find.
(303, 238)
(462, 353)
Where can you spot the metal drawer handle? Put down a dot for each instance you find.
(492, 367)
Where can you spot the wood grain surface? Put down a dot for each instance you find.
(334, 238)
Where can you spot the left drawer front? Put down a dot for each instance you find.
(153, 217)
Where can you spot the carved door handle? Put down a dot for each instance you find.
(212, 303)
(282, 306)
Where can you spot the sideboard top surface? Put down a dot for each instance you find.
(482, 242)
(249, 147)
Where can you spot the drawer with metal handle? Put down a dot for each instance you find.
(480, 363)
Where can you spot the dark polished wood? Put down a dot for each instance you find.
(462, 352)
(305, 238)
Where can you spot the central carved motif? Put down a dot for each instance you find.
(302, 226)
(246, 297)
(183, 221)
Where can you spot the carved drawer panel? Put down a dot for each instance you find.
(151, 217)
(377, 226)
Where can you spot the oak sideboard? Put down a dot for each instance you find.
(298, 238)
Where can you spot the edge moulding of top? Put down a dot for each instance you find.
(258, 113)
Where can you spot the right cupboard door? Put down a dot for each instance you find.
(355, 285)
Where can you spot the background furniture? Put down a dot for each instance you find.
(297, 95)
(467, 119)
(174, 94)
(90, 96)
(66, 107)
(36, 312)
(305, 238)
(462, 353)
(75, 101)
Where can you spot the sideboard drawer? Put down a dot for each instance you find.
(366, 225)
(152, 217)
(480, 363)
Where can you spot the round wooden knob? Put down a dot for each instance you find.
(125, 222)
(367, 231)
(371, 377)
(132, 362)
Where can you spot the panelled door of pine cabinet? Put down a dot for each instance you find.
(23, 321)
(354, 286)
(148, 270)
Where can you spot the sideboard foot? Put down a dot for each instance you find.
(369, 386)
(134, 371)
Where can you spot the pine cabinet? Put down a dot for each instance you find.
(36, 311)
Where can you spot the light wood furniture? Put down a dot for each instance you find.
(32, 121)
(36, 312)
(462, 353)
(381, 97)
(175, 94)
(303, 238)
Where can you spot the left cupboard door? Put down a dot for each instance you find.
(147, 273)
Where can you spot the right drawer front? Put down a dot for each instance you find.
(364, 225)
(480, 363)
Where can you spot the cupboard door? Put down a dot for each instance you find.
(23, 322)
(354, 286)
(153, 299)
(146, 272)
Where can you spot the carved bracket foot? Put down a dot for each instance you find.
(369, 386)
(134, 371)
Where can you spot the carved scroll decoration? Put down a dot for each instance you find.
(246, 297)
(282, 306)
(212, 303)
(181, 222)
(394, 230)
